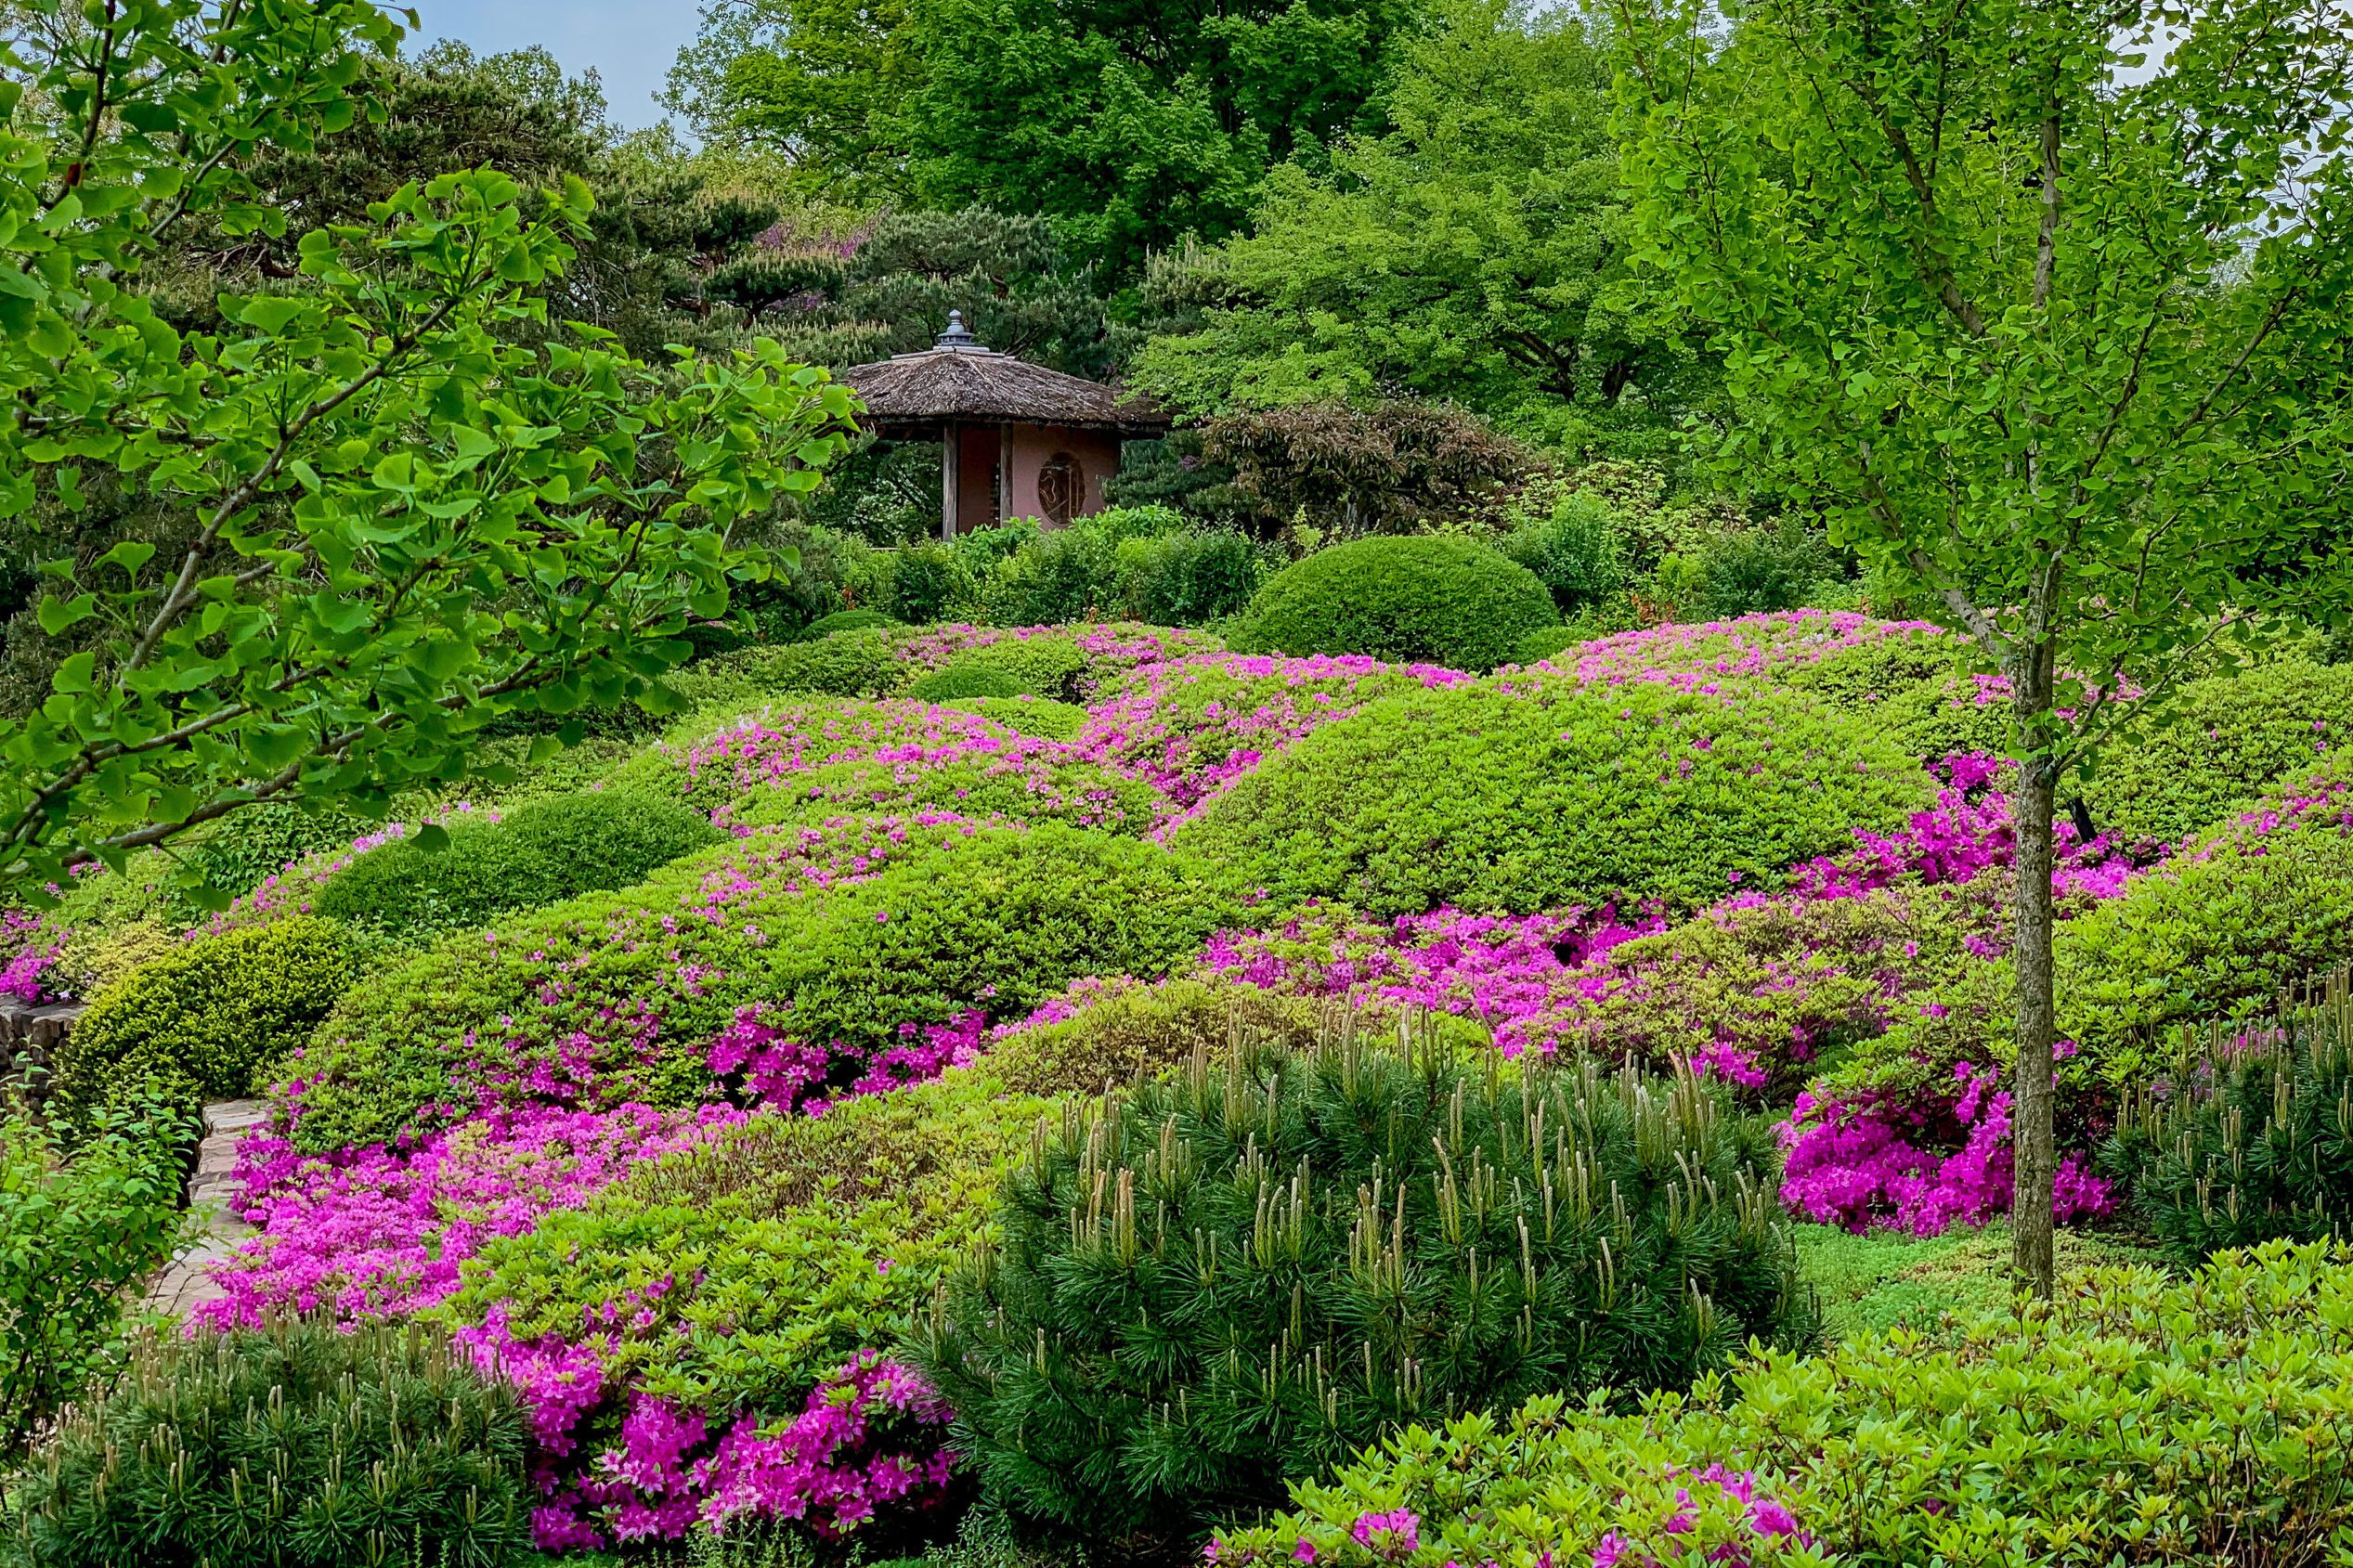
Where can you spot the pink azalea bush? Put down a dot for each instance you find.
(1768, 645)
(29, 940)
(382, 1231)
(1189, 725)
(1883, 1160)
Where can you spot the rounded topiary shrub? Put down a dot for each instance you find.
(537, 854)
(296, 1446)
(1543, 795)
(966, 679)
(208, 1020)
(1422, 600)
(844, 620)
(1041, 717)
(1242, 1274)
(786, 969)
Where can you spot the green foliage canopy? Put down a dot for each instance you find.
(405, 524)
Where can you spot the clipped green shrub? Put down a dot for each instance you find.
(619, 995)
(1547, 642)
(2246, 1135)
(846, 620)
(1427, 598)
(1063, 575)
(849, 664)
(1047, 663)
(1547, 795)
(815, 1238)
(537, 854)
(2139, 1417)
(1226, 1278)
(2225, 741)
(1870, 672)
(1572, 549)
(1041, 717)
(79, 1230)
(1028, 781)
(299, 1445)
(209, 1020)
(965, 679)
(1189, 577)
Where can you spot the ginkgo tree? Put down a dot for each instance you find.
(2045, 304)
(404, 522)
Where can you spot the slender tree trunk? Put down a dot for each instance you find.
(2033, 1139)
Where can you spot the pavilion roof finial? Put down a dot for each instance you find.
(958, 335)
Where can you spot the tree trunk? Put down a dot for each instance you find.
(2033, 1138)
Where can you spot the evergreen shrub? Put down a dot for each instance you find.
(80, 1228)
(849, 664)
(1063, 575)
(2246, 1136)
(1573, 550)
(246, 847)
(537, 854)
(1424, 599)
(1232, 1276)
(932, 582)
(298, 1446)
(843, 955)
(209, 1020)
(1047, 663)
(1187, 578)
(2139, 1417)
(1540, 794)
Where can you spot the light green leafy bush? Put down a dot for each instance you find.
(299, 1446)
(850, 664)
(2222, 742)
(1042, 716)
(537, 854)
(1573, 550)
(1548, 794)
(1118, 1030)
(812, 1238)
(1043, 786)
(2139, 1417)
(932, 582)
(965, 679)
(1425, 598)
(1236, 1273)
(79, 1230)
(1045, 663)
(260, 841)
(619, 995)
(209, 1020)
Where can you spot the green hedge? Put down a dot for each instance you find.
(619, 995)
(301, 1446)
(2142, 1418)
(1187, 578)
(1423, 599)
(537, 854)
(1549, 794)
(209, 1020)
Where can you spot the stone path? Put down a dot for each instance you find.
(214, 1231)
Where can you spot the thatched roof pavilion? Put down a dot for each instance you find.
(1016, 439)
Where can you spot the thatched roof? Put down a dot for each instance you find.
(959, 380)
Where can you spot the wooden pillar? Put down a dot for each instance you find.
(1004, 473)
(950, 451)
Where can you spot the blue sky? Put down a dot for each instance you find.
(629, 43)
